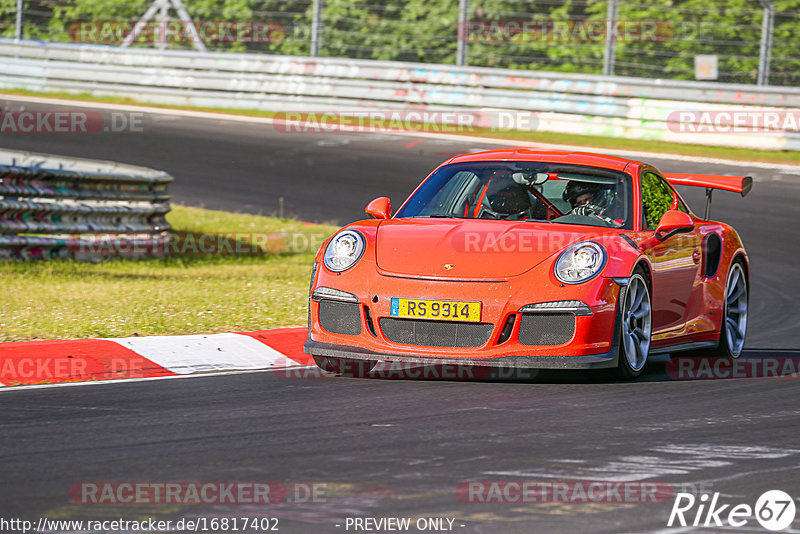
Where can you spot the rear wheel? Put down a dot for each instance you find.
(345, 366)
(636, 328)
(734, 326)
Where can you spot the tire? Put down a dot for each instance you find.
(635, 326)
(735, 310)
(345, 366)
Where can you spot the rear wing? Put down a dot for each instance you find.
(735, 184)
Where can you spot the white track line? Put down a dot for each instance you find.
(432, 135)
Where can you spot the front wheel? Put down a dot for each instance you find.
(636, 328)
(734, 326)
(345, 366)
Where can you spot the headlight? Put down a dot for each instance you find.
(344, 250)
(580, 262)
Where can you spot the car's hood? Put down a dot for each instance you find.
(469, 249)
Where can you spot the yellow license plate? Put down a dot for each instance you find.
(442, 310)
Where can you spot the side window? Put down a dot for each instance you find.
(657, 197)
(552, 190)
(682, 207)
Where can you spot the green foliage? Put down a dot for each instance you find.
(785, 64)
(539, 46)
(406, 31)
(60, 21)
(655, 199)
(730, 29)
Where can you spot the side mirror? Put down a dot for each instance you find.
(380, 208)
(673, 222)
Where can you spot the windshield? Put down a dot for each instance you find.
(525, 191)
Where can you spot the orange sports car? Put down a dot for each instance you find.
(532, 259)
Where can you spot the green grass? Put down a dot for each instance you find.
(607, 143)
(65, 299)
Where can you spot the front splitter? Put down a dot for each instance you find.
(594, 361)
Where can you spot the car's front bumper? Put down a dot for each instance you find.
(594, 361)
(592, 344)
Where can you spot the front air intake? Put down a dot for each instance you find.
(435, 333)
(340, 317)
(546, 328)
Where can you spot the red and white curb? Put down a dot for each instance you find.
(92, 360)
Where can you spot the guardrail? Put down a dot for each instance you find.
(567, 103)
(44, 194)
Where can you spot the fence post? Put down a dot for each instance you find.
(765, 53)
(18, 27)
(316, 28)
(462, 33)
(611, 39)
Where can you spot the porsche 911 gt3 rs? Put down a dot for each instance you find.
(533, 259)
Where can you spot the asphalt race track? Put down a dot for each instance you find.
(400, 448)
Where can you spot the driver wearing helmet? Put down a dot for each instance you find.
(587, 198)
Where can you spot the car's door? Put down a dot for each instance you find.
(675, 260)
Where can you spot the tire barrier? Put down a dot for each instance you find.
(42, 195)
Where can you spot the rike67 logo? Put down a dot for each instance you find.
(774, 510)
